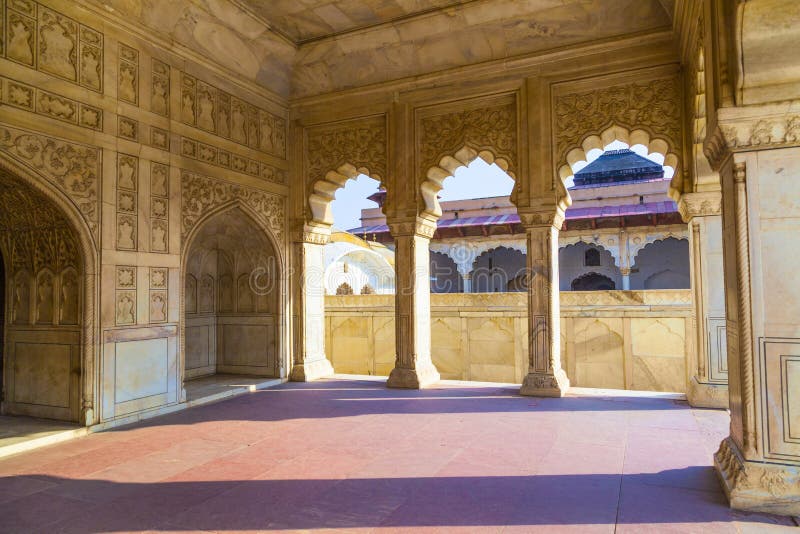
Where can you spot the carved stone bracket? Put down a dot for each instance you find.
(693, 205)
(202, 194)
(73, 168)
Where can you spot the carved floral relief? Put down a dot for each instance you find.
(360, 143)
(49, 104)
(492, 128)
(654, 104)
(201, 194)
(71, 167)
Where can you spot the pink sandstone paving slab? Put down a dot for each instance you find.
(352, 456)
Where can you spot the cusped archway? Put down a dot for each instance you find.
(499, 270)
(662, 264)
(639, 140)
(578, 259)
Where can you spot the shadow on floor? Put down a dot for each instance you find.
(348, 398)
(594, 499)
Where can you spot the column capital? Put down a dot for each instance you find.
(316, 234)
(553, 216)
(700, 204)
(417, 227)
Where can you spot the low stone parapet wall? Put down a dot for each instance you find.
(609, 339)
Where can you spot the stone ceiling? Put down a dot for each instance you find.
(299, 48)
(305, 20)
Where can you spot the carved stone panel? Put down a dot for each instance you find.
(219, 157)
(654, 105)
(201, 194)
(491, 127)
(50, 105)
(159, 96)
(159, 279)
(218, 112)
(360, 143)
(46, 40)
(127, 194)
(128, 75)
(159, 207)
(127, 128)
(72, 168)
(125, 300)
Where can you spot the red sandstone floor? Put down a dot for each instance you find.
(354, 456)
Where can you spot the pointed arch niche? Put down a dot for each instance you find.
(232, 295)
(48, 326)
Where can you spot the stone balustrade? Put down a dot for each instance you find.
(612, 339)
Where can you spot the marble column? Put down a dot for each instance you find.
(466, 279)
(413, 365)
(545, 376)
(626, 278)
(759, 463)
(708, 385)
(310, 362)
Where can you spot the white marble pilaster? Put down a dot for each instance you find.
(414, 367)
(310, 362)
(545, 376)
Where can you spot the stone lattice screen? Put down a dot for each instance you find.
(609, 339)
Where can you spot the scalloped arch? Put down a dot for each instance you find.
(447, 166)
(638, 248)
(639, 136)
(613, 250)
(324, 190)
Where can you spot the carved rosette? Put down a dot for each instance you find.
(202, 194)
(491, 128)
(74, 169)
(360, 143)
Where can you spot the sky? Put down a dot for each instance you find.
(477, 180)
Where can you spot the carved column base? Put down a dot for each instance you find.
(545, 384)
(311, 370)
(757, 486)
(88, 417)
(704, 395)
(423, 376)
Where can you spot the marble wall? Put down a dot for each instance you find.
(623, 340)
(137, 141)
